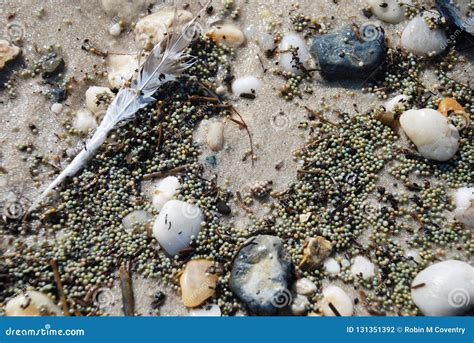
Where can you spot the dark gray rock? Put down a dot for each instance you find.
(351, 53)
(261, 274)
(453, 16)
(52, 66)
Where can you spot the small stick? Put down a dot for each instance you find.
(202, 98)
(59, 285)
(128, 299)
(334, 309)
(241, 202)
(419, 285)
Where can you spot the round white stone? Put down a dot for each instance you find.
(300, 305)
(246, 85)
(390, 11)
(434, 136)
(57, 108)
(292, 41)
(444, 289)
(84, 121)
(339, 299)
(331, 266)
(419, 39)
(176, 224)
(305, 286)
(464, 211)
(115, 30)
(363, 266)
(32, 303)
(206, 311)
(164, 191)
(215, 136)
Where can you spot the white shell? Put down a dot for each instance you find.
(391, 12)
(339, 299)
(431, 132)
(227, 34)
(121, 68)
(31, 303)
(215, 136)
(57, 108)
(305, 286)
(7, 52)
(397, 102)
(206, 311)
(246, 85)
(164, 191)
(418, 38)
(93, 104)
(176, 224)
(448, 289)
(363, 266)
(292, 40)
(300, 305)
(153, 27)
(464, 211)
(331, 266)
(84, 121)
(135, 218)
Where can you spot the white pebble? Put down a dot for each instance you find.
(363, 266)
(57, 108)
(390, 11)
(115, 30)
(121, 68)
(32, 303)
(206, 311)
(464, 211)
(164, 191)
(227, 34)
(287, 61)
(444, 289)
(215, 136)
(94, 101)
(339, 299)
(397, 103)
(331, 266)
(305, 286)
(176, 224)
(246, 85)
(134, 218)
(434, 136)
(419, 39)
(84, 121)
(300, 305)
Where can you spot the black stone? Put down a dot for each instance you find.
(58, 94)
(222, 207)
(351, 53)
(52, 66)
(454, 16)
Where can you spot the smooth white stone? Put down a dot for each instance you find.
(331, 266)
(292, 40)
(206, 311)
(418, 38)
(397, 103)
(84, 121)
(227, 34)
(57, 108)
(362, 265)
(134, 218)
(434, 136)
(176, 224)
(164, 191)
(305, 286)
(246, 85)
(391, 12)
(153, 28)
(266, 41)
(339, 299)
(92, 101)
(32, 303)
(300, 305)
(464, 211)
(121, 68)
(215, 136)
(448, 289)
(115, 30)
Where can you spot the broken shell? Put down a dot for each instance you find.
(335, 302)
(84, 121)
(215, 136)
(331, 266)
(444, 289)
(121, 68)
(198, 282)
(398, 102)
(227, 34)
(300, 305)
(176, 225)
(98, 99)
(305, 286)
(8, 52)
(464, 211)
(315, 250)
(434, 136)
(363, 267)
(164, 191)
(447, 105)
(153, 28)
(246, 85)
(32, 303)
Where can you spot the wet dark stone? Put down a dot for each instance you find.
(351, 53)
(261, 274)
(211, 160)
(222, 207)
(52, 66)
(453, 16)
(58, 94)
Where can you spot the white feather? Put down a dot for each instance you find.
(159, 68)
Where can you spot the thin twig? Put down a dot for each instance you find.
(59, 285)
